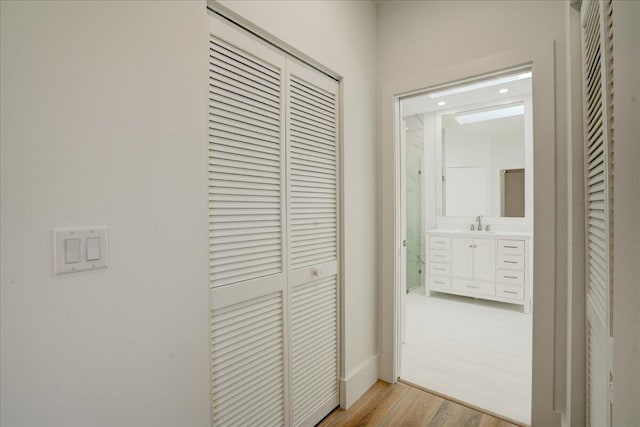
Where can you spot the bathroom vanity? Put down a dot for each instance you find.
(480, 264)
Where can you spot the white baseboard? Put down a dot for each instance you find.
(358, 381)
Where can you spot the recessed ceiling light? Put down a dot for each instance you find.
(480, 85)
(503, 90)
(441, 103)
(498, 113)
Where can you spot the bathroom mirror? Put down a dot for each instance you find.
(483, 161)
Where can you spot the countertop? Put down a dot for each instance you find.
(482, 234)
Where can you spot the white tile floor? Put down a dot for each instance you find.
(473, 350)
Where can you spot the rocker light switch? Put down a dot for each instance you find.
(71, 251)
(80, 249)
(93, 248)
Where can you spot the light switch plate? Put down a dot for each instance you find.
(94, 248)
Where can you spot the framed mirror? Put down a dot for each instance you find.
(483, 161)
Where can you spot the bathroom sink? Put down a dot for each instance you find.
(481, 232)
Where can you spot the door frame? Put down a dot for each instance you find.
(540, 58)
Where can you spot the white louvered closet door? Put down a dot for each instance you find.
(273, 234)
(247, 229)
(598, 141)
(312, 178)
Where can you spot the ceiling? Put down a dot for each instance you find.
(504, 128)
(423, 103)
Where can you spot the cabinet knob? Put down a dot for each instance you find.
(316, 271)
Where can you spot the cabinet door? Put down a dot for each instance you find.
(484, 259)
(462, 258)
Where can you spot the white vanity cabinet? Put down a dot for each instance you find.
(473, 259)
(481, 265)
(439, 248)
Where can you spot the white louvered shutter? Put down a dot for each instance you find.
(598, 141)
(312, 159)
(273, 234)
(247, 230)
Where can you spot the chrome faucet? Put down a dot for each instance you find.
(479, 223)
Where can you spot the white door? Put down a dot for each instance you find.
(462, 258)
(312, 142)
(484, 259)
(273, 234)
(598, 121)
(247, 229)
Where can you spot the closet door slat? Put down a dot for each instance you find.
(243, 152)
(307, 165)
(314, 351)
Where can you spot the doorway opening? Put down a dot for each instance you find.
(466, 178)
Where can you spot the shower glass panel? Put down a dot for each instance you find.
(414, 162)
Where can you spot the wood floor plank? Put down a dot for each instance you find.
(402, 405)
(387, 405)
(415, 409)
(452, 415)
(489, 421)
(359, 411)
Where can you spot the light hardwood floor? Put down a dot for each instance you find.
(402, 405)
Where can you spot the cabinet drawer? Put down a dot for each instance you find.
(510, 262)
(437, 255)
(439, 269)
(511, 292)
(511, 247)
(475, 287)
(437, 242)
(511, 277)
(439, 282)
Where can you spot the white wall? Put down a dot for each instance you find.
(420, 38)
(104, 113)
(341, 36)
(429, 172)
(104, 122)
